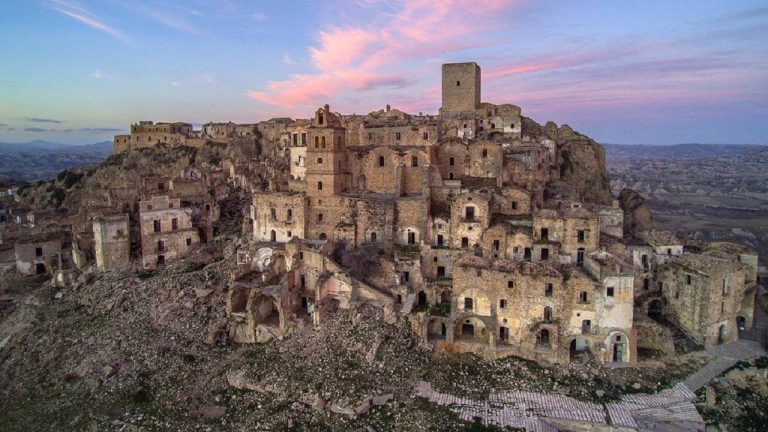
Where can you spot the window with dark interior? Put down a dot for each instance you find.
(381, 161)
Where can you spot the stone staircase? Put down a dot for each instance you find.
(408, 304)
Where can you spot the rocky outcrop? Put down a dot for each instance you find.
(580, 159)
(582, 164)
(637, 213)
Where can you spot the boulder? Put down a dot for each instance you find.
(637, 213)
(382, 399)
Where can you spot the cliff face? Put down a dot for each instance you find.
(581, 161)
(582, 165)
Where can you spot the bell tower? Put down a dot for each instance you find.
(326, 160)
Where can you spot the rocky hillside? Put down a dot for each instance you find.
(133, 350)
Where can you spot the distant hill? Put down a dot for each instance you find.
(619, 152)
(41, 160)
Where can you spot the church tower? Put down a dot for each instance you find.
(326, 162)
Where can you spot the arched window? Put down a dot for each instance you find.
(451, 161)
(319, 217)
(547, 314)
(381, 161)
(317, 142)
(289, 215)
(319, 161)
(320, 118)
(319, 185)
(583, 297)
(373, 236)
(272, 236)
(323, 236)
(322, 142)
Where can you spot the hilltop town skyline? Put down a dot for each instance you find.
(655, 73)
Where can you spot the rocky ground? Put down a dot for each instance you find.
(737, 400)
(135, 350)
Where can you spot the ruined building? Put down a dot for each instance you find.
(477, 226)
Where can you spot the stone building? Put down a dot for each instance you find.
(469, 248)
(112, 241)
(709, 295)
(167, 232)
(39, 254)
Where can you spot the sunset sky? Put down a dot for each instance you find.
(655, 72)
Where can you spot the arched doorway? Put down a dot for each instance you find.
(445, 297)
(272, 236)
(655, 309)
(422, 298)
(619, 348)
(323, 236)
(741, 323)
(721, 334)
(471, 330)
(578, 351)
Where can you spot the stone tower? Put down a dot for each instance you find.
(326, 164)
(461, 87)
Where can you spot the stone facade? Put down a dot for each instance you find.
(706, 296)
(112, 241)
(167, 232)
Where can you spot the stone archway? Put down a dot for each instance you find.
(471, 330)
(421, 298)
(579, 350)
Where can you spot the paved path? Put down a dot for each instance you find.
(723, 357)
(668, 410)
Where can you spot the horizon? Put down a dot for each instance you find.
(655, 72)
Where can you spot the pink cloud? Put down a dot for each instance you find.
(359, 58)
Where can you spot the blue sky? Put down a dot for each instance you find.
(655, 72)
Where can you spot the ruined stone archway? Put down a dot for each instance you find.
(580, 350)
(471, 329)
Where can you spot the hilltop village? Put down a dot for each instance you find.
(484, 231)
